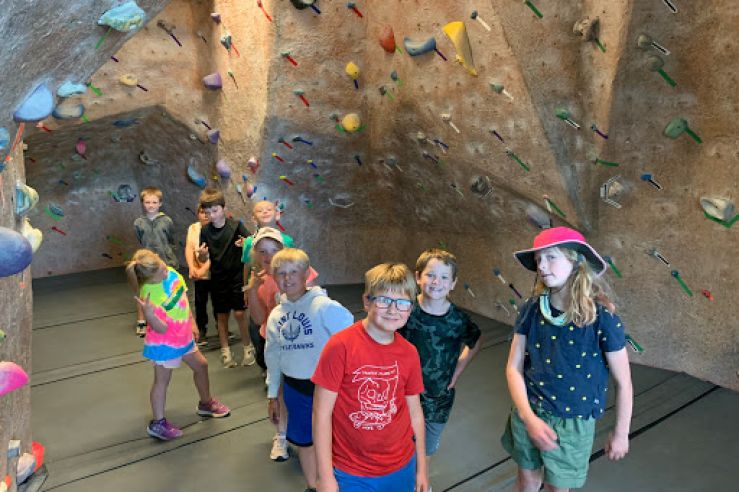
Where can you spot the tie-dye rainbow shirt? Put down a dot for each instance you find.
(171, 306)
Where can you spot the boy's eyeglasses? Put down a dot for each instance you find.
(383, 302)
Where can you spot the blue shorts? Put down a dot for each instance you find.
(433, 436)
(403, 480)
(300, 411)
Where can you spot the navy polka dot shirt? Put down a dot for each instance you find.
(565, 369)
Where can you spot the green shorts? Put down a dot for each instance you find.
(564, 467)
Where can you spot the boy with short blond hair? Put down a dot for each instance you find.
(218, 243)
(445, 337)
(297, 329)
(154, 231)
(265, 214)
(367, 409)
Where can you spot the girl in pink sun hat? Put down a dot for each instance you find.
(566, 341)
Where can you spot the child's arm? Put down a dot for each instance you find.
(540, 433)
(257, 310)
(156, 324)
(419, 431)
(617, 444)
(323, 407)
(464, 358)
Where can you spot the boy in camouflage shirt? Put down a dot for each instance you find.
(445, 337)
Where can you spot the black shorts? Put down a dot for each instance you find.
(226, 294)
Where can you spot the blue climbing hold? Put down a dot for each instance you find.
(68, 89)
(15, 252)
(4, 138)
(68, 111)
(195, 176)
(37, 106)
(25, 197)
(125, 17)
(125, 123)
(214, 135)
(56, 209)
(125, 193)
(415, 48)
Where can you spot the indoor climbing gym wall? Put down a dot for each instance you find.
(383, 128)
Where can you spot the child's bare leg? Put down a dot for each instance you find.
(528, 481)
(551, 488)
(158, 394)
(222, 322)
(199, 366)
(282, 424)
(309, 465)
(139, 313)
(243, 323)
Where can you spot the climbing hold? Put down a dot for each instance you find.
(351, 122)
(213, 81)
(518, 160)
(721, 209)
(302, 4)
(564, 115)
(498, 274)
(609, 260)
(68, 89)
(37, 106)
(597, 160)
(387, 39)
(352, 70)
(481, 186)
(353, 7)
(670, 5)
(253, 164)
(125, 123)
(259, 4)
(415, 48)
(128, 80)
(533, 8)
(301, 94)
(4, 138)
(707, 294)
(125, 193)
(682, 283)
(538, 217)
(447, 118)
(213, 135)
(15, 252)
(611, 191)
(126, 17)
(276, 156)
(169, 29)
(500, 89)
(469, 290)
(286, 55)
(395, 78)
(496, 135)
(677, 127)
(302, 140)
(475, 16)
(551, 205)
(645, 42)
(647, 177)
(595, 129)
(33, 236)
(515, 291)
(12, 377)
(146, 159)
(80, 147)
(384, 92)
(223, 169)
(655, 64)
(634, 344)
(588, 29)
(285, 143)
(216, 17)
(2, 336)
(68, 111)
(457, 33)
(340, 201)
(25, 197)
(658, 255)
(194, 176)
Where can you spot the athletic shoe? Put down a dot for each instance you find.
(227, 360)
(213, 408)
(163, 429)
(140, 329)
(279, 451)
(250, 357)
(310, 489)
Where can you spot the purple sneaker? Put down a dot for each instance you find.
(163, 429)
(213, 408)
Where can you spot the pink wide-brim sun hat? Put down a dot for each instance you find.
(565, 237)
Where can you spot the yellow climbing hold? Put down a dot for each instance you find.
(128, 80)
(457, 33)
(352, 70)
(351, 122)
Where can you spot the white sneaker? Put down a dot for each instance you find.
(249, 356)
(279, 451)
(141, 328)
(227, 360)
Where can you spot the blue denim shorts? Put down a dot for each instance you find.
(403, 480)
(433, 436)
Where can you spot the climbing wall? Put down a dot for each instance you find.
(384, 128)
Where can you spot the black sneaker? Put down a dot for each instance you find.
(141, 329)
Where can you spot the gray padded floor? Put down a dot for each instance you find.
(90, 408)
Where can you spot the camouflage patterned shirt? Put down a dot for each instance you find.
(439, 341)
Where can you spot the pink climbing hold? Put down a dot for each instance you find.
(12, 377)
(213, 81)
(81, 147)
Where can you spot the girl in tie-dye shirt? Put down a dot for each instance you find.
(170, 337)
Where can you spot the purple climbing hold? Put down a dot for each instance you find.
(12, 377)
(216, 17)
(213, 81)
(214, 135)
(37, 106)
(223, 169)
(15, 252)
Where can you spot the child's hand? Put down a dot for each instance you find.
(273, 410)
(617, 446)
(422, 482)
(328, 484)
(541, 434)
(146, 306)
(455, 376)
(239, 242)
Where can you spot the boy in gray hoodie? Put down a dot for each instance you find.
(297, 330)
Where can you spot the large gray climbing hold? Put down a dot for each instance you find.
(4, 138)
(68, 111)
(213, 81)
(37, 106)
(68, 89)
(126, 17)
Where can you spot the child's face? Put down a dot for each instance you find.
(291, 278)
(203, 217)
(151, 204)
(387, 319)
(216, 214)
(436, 280)
(265, 249)
(553, 266)
(265, 213)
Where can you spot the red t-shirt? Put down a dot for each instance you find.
(372, 433)
(269, 295)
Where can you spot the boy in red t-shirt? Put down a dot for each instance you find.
(367, 406)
